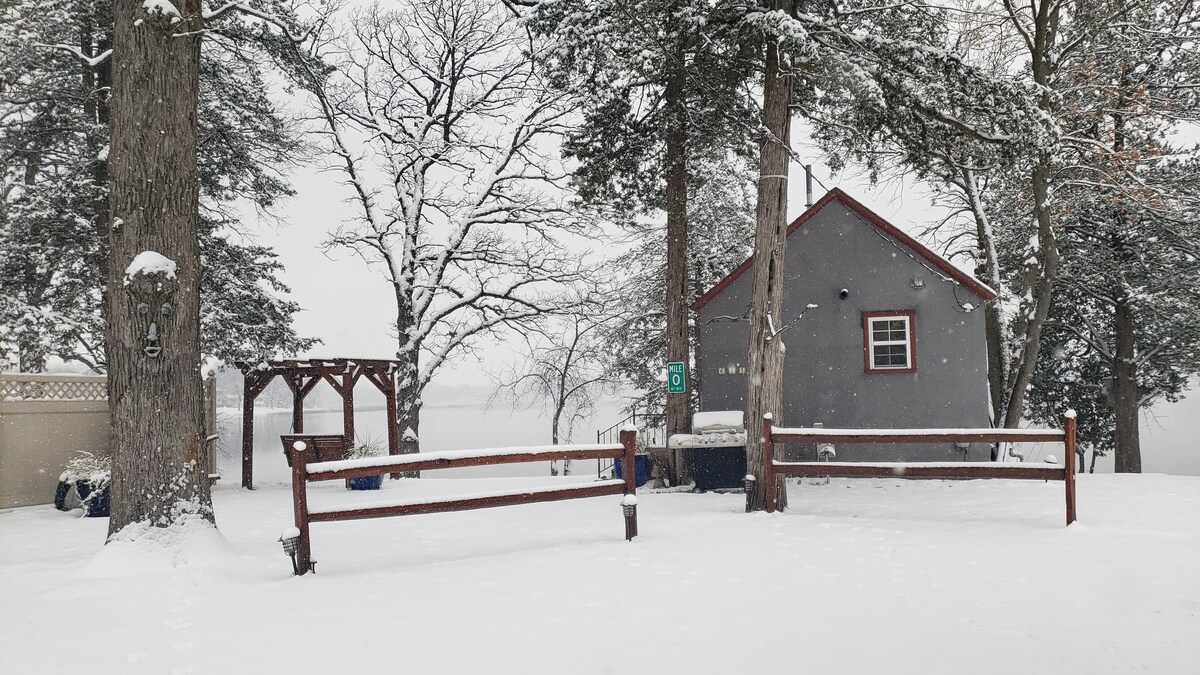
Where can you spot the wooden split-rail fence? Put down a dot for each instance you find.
(773, 435)
(320, 458)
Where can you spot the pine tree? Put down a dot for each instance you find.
(660, 83)
(721, 222)
(53, 174)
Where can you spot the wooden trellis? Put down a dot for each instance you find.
(301, 376)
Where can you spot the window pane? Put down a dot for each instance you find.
(891, 356)
(889, 330)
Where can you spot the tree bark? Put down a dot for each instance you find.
(678, 410)
(1024, 366)
(408, 377)
(1127, 443)
(995, 330)
(97, 83)
(765, 359)
(156, 399)
(1043, 52)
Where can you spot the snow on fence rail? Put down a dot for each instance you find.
(1066, 473)
(317, 458)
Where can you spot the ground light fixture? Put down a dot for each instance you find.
(290, 539)
(629, 510)
(748, 484)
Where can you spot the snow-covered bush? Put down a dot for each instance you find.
(85, 466)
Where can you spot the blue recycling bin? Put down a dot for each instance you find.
(641, 469)
(366, 483)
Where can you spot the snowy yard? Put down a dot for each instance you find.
(861, 576)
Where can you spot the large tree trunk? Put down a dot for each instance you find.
(1025, 365)
(678, 412)
(765, 360)
(408, 377)
(155, 398)
(1128, 450)
(97, 83)
(1043, 55)
(995, 330)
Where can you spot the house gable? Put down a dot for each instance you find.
(982, 291)
(844, 271)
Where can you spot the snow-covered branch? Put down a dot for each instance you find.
(267, 17)
(89, 61)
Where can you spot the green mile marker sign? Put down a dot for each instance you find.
(676, 384)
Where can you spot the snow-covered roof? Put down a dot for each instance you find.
(875, 220)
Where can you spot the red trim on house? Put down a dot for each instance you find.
(970, 283)
(912, 340)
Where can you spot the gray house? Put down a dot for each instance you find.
(881, 333)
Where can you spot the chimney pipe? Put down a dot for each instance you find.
(808, 202)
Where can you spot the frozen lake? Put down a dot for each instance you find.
(443, 427)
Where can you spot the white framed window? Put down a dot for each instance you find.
(889, 341)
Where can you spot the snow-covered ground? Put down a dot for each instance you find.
(859, 576)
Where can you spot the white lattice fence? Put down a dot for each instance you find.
(37, 387)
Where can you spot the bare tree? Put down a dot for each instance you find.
(565, 375)
(444, 132)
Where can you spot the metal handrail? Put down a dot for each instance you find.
(650, 426)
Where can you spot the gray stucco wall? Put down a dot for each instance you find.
(825, 379)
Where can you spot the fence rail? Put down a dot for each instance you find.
(930, 470)
(305, 469)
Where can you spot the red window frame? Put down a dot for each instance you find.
(868, 362)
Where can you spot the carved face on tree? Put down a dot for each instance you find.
(151, 294)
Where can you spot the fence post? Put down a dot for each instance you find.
(210, 425)
(300, 504)
(768, 450)
(1069, 449)
(629, 441)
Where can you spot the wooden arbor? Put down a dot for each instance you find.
(301, 376)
